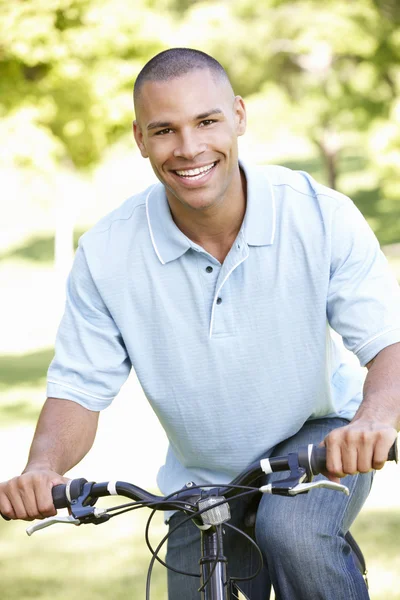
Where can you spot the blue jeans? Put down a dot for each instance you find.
(302, 539)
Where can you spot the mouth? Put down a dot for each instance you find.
(196, 174)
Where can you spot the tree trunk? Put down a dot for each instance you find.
(329, 148)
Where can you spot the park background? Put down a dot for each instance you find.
(322, 86)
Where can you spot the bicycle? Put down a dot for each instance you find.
(209, 510)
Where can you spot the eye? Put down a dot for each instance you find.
(206, 122)
(163, 132)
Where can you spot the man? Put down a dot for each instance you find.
(219, 285)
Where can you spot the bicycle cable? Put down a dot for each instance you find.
(185, 520)
(250, 539)
(197, 513)
(135, 506)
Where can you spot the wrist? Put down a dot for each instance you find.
(38, 466)
(372, 419)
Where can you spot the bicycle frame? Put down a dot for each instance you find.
(212, 550)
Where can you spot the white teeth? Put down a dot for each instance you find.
(194, 172)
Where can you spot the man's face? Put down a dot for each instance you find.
(188, 128)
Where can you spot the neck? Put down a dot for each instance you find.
(215, 228)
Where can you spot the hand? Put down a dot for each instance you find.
(28, 496)
(359, 447)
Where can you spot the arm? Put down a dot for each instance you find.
(364, 443)
(64, 434)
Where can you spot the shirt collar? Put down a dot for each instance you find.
(170, 242)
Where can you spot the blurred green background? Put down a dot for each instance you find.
(321, 83)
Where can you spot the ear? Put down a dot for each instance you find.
(240, 115)
(137, 132)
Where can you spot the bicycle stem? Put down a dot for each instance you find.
(211, 545)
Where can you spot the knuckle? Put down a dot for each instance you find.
(47, 510)
(20, 483)
(334, 436)
(22, 515)
(8, 512)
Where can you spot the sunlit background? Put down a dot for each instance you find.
(321, 81)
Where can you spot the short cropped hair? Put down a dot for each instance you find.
(175, 62)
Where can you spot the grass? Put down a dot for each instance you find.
(89, 563)
(377, 533)
(110, 562)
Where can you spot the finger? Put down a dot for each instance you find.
(349, 453)
(6, 508)
(381, 451)
(333, 461)
(44, 499)
(24, 500)
(19, 507)
(365, 452)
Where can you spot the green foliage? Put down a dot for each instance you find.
(29, 369)
(338, 63)
(63, 60)
(38, 249)
(329, 71)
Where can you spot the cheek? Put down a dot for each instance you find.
(160, 152)
(223, 139)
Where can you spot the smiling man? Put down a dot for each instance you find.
(221, 286)
(190, 139)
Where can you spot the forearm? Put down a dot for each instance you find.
(364, 444)
(381, 401)
(64, 434)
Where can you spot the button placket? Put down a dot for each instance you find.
(222, 322)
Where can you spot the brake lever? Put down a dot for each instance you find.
(303, 488)
(52, 521)
(96, 516)
(330, 485)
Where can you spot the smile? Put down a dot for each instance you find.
(198, 173)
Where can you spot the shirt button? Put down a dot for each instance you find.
(209, 269)
(219, 300)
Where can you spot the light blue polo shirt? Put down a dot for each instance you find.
(233, 358)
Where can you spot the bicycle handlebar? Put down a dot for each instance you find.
(310, 458)
(303, 465)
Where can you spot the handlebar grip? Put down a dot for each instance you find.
(318, 457)
(62, 498)
(59, 493)
(394, 452)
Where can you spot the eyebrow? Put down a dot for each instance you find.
(162, 124)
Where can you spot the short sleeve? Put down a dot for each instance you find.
(90, 363)
(363, 303)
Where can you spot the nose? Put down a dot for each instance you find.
(189, 146)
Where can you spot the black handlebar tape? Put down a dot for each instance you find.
(318, 457)
(394, 452)
(59, 492)
(60, 499)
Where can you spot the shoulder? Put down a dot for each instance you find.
(293, 185)
(118, 223)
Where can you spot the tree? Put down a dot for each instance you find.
(66, 74)
(337, 61)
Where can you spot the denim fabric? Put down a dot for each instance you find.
(302, 539)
